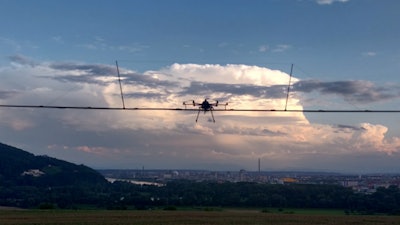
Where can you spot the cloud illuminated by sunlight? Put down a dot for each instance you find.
(173, 137)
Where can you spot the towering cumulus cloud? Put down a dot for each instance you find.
(172, 139)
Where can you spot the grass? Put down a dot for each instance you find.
(333, 212)
(159, 217)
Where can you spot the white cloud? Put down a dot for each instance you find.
(373, 137)
(167, 139)
(58, 39)
(276, 48)
(10, 43)
(263, 48)
(328, 2)
(369, 54)
(281, 48)
(100, 43)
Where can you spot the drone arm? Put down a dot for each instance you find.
(198, 113)
(190, 102)
(226, 104)
(211, 110)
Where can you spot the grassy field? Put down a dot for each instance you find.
(224, 217)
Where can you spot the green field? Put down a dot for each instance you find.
(223, 217)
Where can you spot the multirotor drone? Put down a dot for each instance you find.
(204, 106)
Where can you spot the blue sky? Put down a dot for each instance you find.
(345, 54)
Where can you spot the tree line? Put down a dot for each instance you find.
(184, 193)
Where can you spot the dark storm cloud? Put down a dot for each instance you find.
(157, 96)
(359, 90)
(348, 128)
(200, 88)
(251, 132)
(7, 94)
(93, 69)
(90, 73)
(273, 133)
(352, 91)
(90, 79)
(23, 60)
(87, 73)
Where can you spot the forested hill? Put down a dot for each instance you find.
(29, 181)
(21, 168)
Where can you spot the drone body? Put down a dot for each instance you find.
(203, 106)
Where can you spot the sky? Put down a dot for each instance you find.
(342, 55)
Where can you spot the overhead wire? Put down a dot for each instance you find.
(195, 109)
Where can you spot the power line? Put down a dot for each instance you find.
(195, 109)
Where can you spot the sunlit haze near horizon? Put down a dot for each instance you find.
(342, 55)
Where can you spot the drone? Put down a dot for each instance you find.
(204, 106)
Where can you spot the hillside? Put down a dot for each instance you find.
(18, 167)
(29, 181)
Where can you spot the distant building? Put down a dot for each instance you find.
(33, 172)
(242, 175)
(350, 183)
(289, 180)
